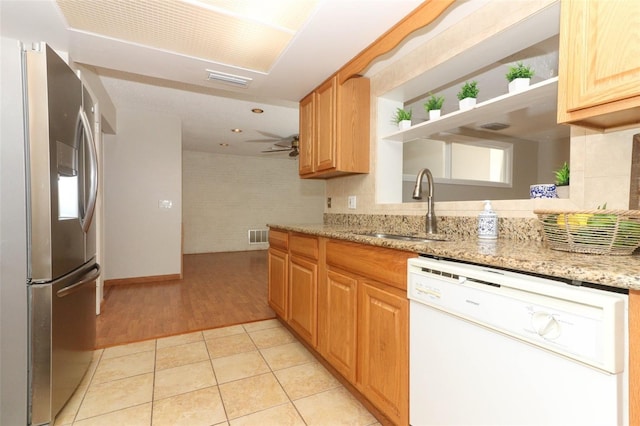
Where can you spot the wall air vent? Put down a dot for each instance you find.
(234, 80)
(258, 236)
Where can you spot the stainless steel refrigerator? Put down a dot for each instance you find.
(61, 189)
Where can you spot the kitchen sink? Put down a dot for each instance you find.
(411, 238)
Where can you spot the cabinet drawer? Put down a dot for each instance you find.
(279, 239)
(304, 245)
(381, 264)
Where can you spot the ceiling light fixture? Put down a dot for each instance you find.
(257, 110)
(236, 130)
(222, 77)
(224, 144)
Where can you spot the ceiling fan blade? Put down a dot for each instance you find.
(283, 144)
(262, 140)
(270, 135)
(277, 150)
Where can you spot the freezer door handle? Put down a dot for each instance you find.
(90, 276)
(89, 209)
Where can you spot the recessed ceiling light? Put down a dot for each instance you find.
(224, 144)
(257, 110)
(236, 130)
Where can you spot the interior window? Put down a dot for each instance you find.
(460, 160)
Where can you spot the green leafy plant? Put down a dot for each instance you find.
(469, 90)
(562, 175)
(434, 103)
(519, 71)
(401, 115)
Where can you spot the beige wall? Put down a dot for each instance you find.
(142, 165)
(224, 196)
(597, 160)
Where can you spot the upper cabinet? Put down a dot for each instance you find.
(334, 129)
(335, 117)
(306, 139)
(599, 66)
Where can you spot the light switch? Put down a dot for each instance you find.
(165, 204)
(351, 202)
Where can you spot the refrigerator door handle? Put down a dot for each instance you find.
(92, 275)
(87, 139)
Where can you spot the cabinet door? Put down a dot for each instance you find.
(325, 136)
(352, 125)
(339, 346)
(599, 61)
(383, 355)
(278, 282)
(306, 138)
(303, 309)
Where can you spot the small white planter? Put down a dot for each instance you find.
(467, 103)
(434, 113)
(519, 84)
(404, 124)
(563, 191)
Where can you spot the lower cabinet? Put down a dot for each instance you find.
(303, 296)
(339, 318)
(278, 258)
(304, 255)
(364, 319)
(383, 349)
(348, 301)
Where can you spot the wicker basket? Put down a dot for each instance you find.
(615, 232)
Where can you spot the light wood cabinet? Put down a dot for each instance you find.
(324, 147)
(303, 287)
(278, 259)
(339, 314)
(365, 315)
(334, 126)
(306, 137)
(383, 349)
(599, 66)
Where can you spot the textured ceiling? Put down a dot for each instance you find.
(249, 34)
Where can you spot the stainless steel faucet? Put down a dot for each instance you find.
(430, 219)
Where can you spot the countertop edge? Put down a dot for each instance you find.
(529, 256)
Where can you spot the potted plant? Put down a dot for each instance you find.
(562, 181)
(519, 77)
(434, 106)
(402, 118)
(468, 94)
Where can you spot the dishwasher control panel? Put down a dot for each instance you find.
(581, 323)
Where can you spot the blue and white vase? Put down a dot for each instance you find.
(543, 190)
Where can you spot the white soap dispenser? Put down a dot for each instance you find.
(488, 223)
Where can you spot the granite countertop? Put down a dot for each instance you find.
(526, 256)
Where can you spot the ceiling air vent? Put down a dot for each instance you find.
(495, 126)
(234, 80)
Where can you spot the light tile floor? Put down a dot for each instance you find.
(249, 374)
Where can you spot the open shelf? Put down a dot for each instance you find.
(508, 102)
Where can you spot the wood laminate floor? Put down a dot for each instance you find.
(217, 290)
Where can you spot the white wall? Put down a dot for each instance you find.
(142, 165)
(225, 195)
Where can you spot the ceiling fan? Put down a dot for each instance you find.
(292, 143)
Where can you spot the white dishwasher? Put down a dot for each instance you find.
(495, 347)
